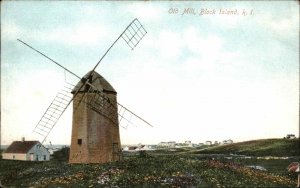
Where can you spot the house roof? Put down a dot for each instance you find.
(20, 146)
(97, 80)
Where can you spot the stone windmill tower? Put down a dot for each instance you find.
(96, 113)
(95, 138)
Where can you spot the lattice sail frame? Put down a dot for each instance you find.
(100, 103)
(55, 110)
(134, 33)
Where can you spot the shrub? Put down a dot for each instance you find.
(62, 154)
(143, 154)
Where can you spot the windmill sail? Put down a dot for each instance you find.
(101, 104)
(55, 110)
(134, 33)
(98, 102)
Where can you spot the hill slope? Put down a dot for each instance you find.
(264, 147)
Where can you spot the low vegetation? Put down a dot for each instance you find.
(162, 168)
(265, 147)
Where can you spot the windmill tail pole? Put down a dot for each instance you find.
(66, 69)
(69, 102)
(48, 58)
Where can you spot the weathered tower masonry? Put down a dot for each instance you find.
(95, 136)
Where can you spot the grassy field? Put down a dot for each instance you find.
(265, 147)
(182, 167)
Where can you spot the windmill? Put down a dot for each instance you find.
(96, 112)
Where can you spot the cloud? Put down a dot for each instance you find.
(10, 30)
(80, 34)
(285, 26)
(190, 42)
(146, 12)
(228, 21)
(208, 46)
(169, 44)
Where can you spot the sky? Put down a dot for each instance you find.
(199, 74)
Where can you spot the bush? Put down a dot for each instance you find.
(143, 154)
(62, 154)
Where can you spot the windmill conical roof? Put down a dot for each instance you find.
(97, 80)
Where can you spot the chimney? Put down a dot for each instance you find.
(23, 139)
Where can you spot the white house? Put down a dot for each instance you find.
(290, 136)
(146, 147)
(208, 143)
(26, 151)
(170, 144)
(216, 143)
(162, 144)
(188, 143)
(126, 148)
(130, 148)
(200, 144)
(228, 141)
(52, 150)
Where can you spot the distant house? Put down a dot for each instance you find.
(290, 136)
(26, 151)
(147, 147)
(170, 144)
(52, 150)
(228, 141)
(208, 143)
(162, 144)
(126, 148)
(188, 143)
(140, 147)
(130, 148)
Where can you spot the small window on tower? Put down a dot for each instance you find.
(79, 141)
